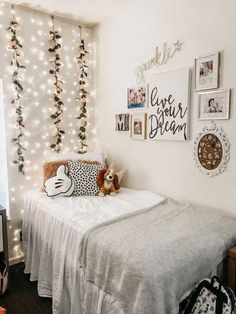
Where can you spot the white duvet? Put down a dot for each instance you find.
(52, 231)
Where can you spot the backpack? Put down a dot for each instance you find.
(210, 296)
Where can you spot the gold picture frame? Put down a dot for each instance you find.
(138, 126)
(207, 70)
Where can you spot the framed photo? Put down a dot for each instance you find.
(207, 72)
(137, 97)
(122, 122)
(214, 105)
(138, 126)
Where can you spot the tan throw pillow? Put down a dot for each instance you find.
(50, 169)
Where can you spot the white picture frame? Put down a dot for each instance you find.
(169, 106)
(214, 105)
(207, 72)
(212, 145)
(138, 126)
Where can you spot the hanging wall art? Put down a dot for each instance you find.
(122, 122)
(169, 105)
(161, 56)
(82, 94)
(212, 150)
(207, 71)
(15, 46)
(214, 105)
(138, 126)
(57, 101)
(137, 97)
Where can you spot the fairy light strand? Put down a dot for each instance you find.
(82, 94)
(58, 104)
(15, 46)
(37, 88)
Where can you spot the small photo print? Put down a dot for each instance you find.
(122, 122)
(207, 72)
(206, 69)
(214, 105)
(137, 97)
(138, 126)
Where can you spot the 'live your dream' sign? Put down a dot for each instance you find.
(168, 116)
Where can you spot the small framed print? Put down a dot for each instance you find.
(214, 105)
(122, 122)
(137, 97)
(138, 126)
(207, 72)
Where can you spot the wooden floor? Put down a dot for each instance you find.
(21, 296)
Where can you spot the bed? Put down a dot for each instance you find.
(68, 249)
(52, 231)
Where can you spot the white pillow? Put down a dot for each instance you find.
(61, 184)
(53, 156)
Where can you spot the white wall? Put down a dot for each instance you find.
(129, 39)
(35, 35)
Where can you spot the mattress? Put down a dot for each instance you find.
(52, 231)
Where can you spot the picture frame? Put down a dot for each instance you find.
(207, 72)
(137, 97)
(212, 150)
(169, 106)
(214, 105)
(122, 122)
(138, 126)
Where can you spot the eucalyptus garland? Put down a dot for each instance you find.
(58, 83)
(83, 94)
(15, 46)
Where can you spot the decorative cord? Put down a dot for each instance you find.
(82, 94)
(58, 83)
(15, 47)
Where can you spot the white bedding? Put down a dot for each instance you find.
(52, 230)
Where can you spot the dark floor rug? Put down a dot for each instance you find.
(21, 296)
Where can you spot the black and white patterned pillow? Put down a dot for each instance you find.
(85, 176)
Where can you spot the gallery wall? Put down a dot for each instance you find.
(38, 86)
(128, 40)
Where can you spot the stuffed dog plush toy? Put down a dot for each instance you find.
(108, 182)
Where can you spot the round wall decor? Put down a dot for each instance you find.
(212, 150)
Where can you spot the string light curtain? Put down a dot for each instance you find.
(15, 46)
(82, 94)
(58, 104)
(34, 33)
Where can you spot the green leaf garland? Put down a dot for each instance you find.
(82, 94)
(15, 47)
(58, 90)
